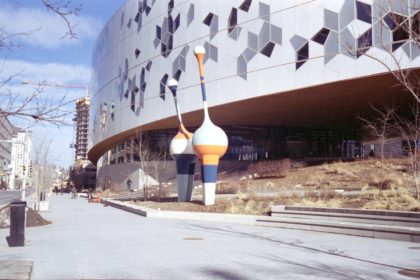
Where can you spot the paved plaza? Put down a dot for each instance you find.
(91, 241)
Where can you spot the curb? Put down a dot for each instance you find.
(196, 216)
(372, 230)
(16, 269)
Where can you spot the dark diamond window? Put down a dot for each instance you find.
(177, 22)
(147, 10)
(302, 55)
(177, 74)
(364, 42)
(126, 93)
(137, 53)
(364, 12)
(170, 24)
(158, 32)
(245, 5)
(149, 65)
(170, 42)
(415, 25)
(233, 19)
(163, 50)
(394, 20)
(321, 36)
(163, 82)
(268, 49)
(143, 87)
(142, 76)
(125, 76)
(136, 19)
(207, 20)
(399, 25)
(170, 5)
(399, 36)
(129, 23)
(133, 102)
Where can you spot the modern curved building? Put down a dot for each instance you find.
(286, 78)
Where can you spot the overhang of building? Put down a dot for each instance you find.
(337, 105)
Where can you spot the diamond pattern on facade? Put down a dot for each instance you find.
(162, 86)
(211, 52)
(179, 64)
(264, 42)
(190, 14)
(165, 32)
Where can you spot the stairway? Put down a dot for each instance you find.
(395, 225)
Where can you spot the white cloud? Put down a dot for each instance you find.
(50, 72)
(45, 28)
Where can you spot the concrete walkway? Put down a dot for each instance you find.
(91, 241)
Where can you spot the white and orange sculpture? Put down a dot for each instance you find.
(209, 141)
(182, 151)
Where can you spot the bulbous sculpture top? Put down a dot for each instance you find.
(210, 139)
(199, 50)
(181, 144)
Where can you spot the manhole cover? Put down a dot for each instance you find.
(415, 248)
(193, 238)
(414, 273)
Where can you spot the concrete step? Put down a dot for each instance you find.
(402, 233)
(354, 218)
(123, 196)
(393, 218)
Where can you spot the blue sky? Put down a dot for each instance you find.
(44, 55)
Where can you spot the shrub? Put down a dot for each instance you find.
(272, 168)
(385, 181)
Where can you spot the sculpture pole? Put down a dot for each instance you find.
(182, 151)
(209, 141)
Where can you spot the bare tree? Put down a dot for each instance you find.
(42, 170)
(143, 150)
(398, 23)
(36, 105)
(409, 130)
(63, 8)
(381, 128)
(153, 157)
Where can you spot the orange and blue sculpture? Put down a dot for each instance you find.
(182, 151)
(209, 141)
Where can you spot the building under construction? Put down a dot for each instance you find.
(81, 129)
(83, 174)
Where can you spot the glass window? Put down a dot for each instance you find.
(245, 5)
(321, 36)
(364, 12)
(207, 20)
(133, 101)
(233, 19)
(302, 55)
(163, 82)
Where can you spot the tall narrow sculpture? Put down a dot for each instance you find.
(209, 141)
(182, 151)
